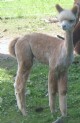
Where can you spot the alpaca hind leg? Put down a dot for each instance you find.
(20, 81)
(52, 90)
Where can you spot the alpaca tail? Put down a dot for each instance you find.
(12, 47)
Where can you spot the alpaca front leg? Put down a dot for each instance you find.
(52, 90)
(63, 104)
(52, 98)
(62, 88)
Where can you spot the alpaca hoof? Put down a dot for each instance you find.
(59, 120)
(24, 113)
(53, 111)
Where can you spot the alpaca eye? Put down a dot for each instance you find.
(71, 21)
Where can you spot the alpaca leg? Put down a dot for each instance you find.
(22, 76)
(62, 88)
(52, 89)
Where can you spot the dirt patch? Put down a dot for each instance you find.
(4, 43)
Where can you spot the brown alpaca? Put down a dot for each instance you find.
(58, 54)
(76, 38)
(76, 33)
(77, 2)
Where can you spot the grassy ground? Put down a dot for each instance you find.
(36, 94)
(36, 91)
(24, 8)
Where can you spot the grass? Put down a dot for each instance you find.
(21, 17)
(17, 27)
(24, 8)
(36, 94)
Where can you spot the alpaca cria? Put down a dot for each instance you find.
(58, 54)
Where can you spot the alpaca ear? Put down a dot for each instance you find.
(59, 8)
(75, 10)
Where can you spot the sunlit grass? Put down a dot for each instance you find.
(24, 8)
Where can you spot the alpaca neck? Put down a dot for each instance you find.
(69, 45)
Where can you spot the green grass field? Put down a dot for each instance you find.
(36, 94)
(24, 8)
(33, 12)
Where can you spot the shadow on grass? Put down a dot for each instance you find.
(8, 63)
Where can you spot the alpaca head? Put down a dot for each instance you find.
(67, 18)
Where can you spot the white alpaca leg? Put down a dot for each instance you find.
(17, 96)
(20, 97)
